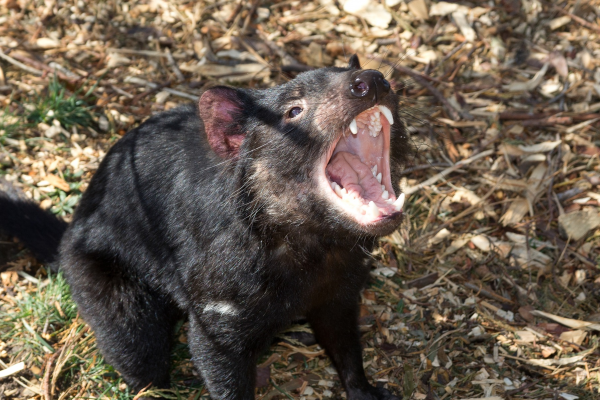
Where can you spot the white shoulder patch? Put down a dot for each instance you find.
(221, 307)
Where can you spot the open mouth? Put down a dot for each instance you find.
(357, 169)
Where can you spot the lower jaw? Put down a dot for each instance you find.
(384, 226)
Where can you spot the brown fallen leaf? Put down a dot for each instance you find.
(515, 213)
(58, 182)
(577, 224)
(525, 313)
(577, 336)
(571, 323)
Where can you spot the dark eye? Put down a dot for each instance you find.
(294, 112)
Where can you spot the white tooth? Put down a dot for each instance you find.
(399, 202)
(338, 191)
(373, 209)
(385, 195)
(382, 188)
(353, 126)
(378, 177)
(390, 201)
(344, 191)
(388, 114)
(374, 170)
(333, 185)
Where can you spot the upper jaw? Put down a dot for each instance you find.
(354, 175)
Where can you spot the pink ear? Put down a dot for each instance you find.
(220, 109)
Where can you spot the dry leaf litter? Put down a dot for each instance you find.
(491, 287)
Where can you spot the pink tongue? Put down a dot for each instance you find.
(356, 177)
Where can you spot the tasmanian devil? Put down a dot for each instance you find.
(251, 210)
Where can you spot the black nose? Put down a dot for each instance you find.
(369, 83)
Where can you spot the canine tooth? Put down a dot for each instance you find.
(338, 190)
(399, 202)
(373, 209)
(353, 126)
(378, 177)
(344, 191)
(374, 170)
(385, 195)
(388, 114)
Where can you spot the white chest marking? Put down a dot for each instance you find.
(221, 307)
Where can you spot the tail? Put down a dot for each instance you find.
(39, 230)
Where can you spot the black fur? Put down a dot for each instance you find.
(238, 239)
(37, 229)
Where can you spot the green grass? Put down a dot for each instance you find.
(40, 321)
(10, 125)
(55, 104)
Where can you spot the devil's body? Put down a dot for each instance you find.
(213, 215)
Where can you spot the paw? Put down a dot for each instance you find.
(371, 393)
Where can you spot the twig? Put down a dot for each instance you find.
(512, 115)
(421, 79)
(451, 52)
(520, 116)
(520, 388)
(122, 92)
(424, 166)
(463, 124)
(46, 389)
(486, 293)
(409, 71)
(152, 85)
(447, 171)
(16, 63)
(562, 245)
(452, 112)
(148, 53)
(13, 369)
(174, 67)
(550, 121)
(234, 13)
(577, 19)
(47, 68)
(141, 392)
(463, 214)
(255, 4)
(286, 394)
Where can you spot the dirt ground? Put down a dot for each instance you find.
(491, 287)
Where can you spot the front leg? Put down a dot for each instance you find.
(225, 348)
(336, 329)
